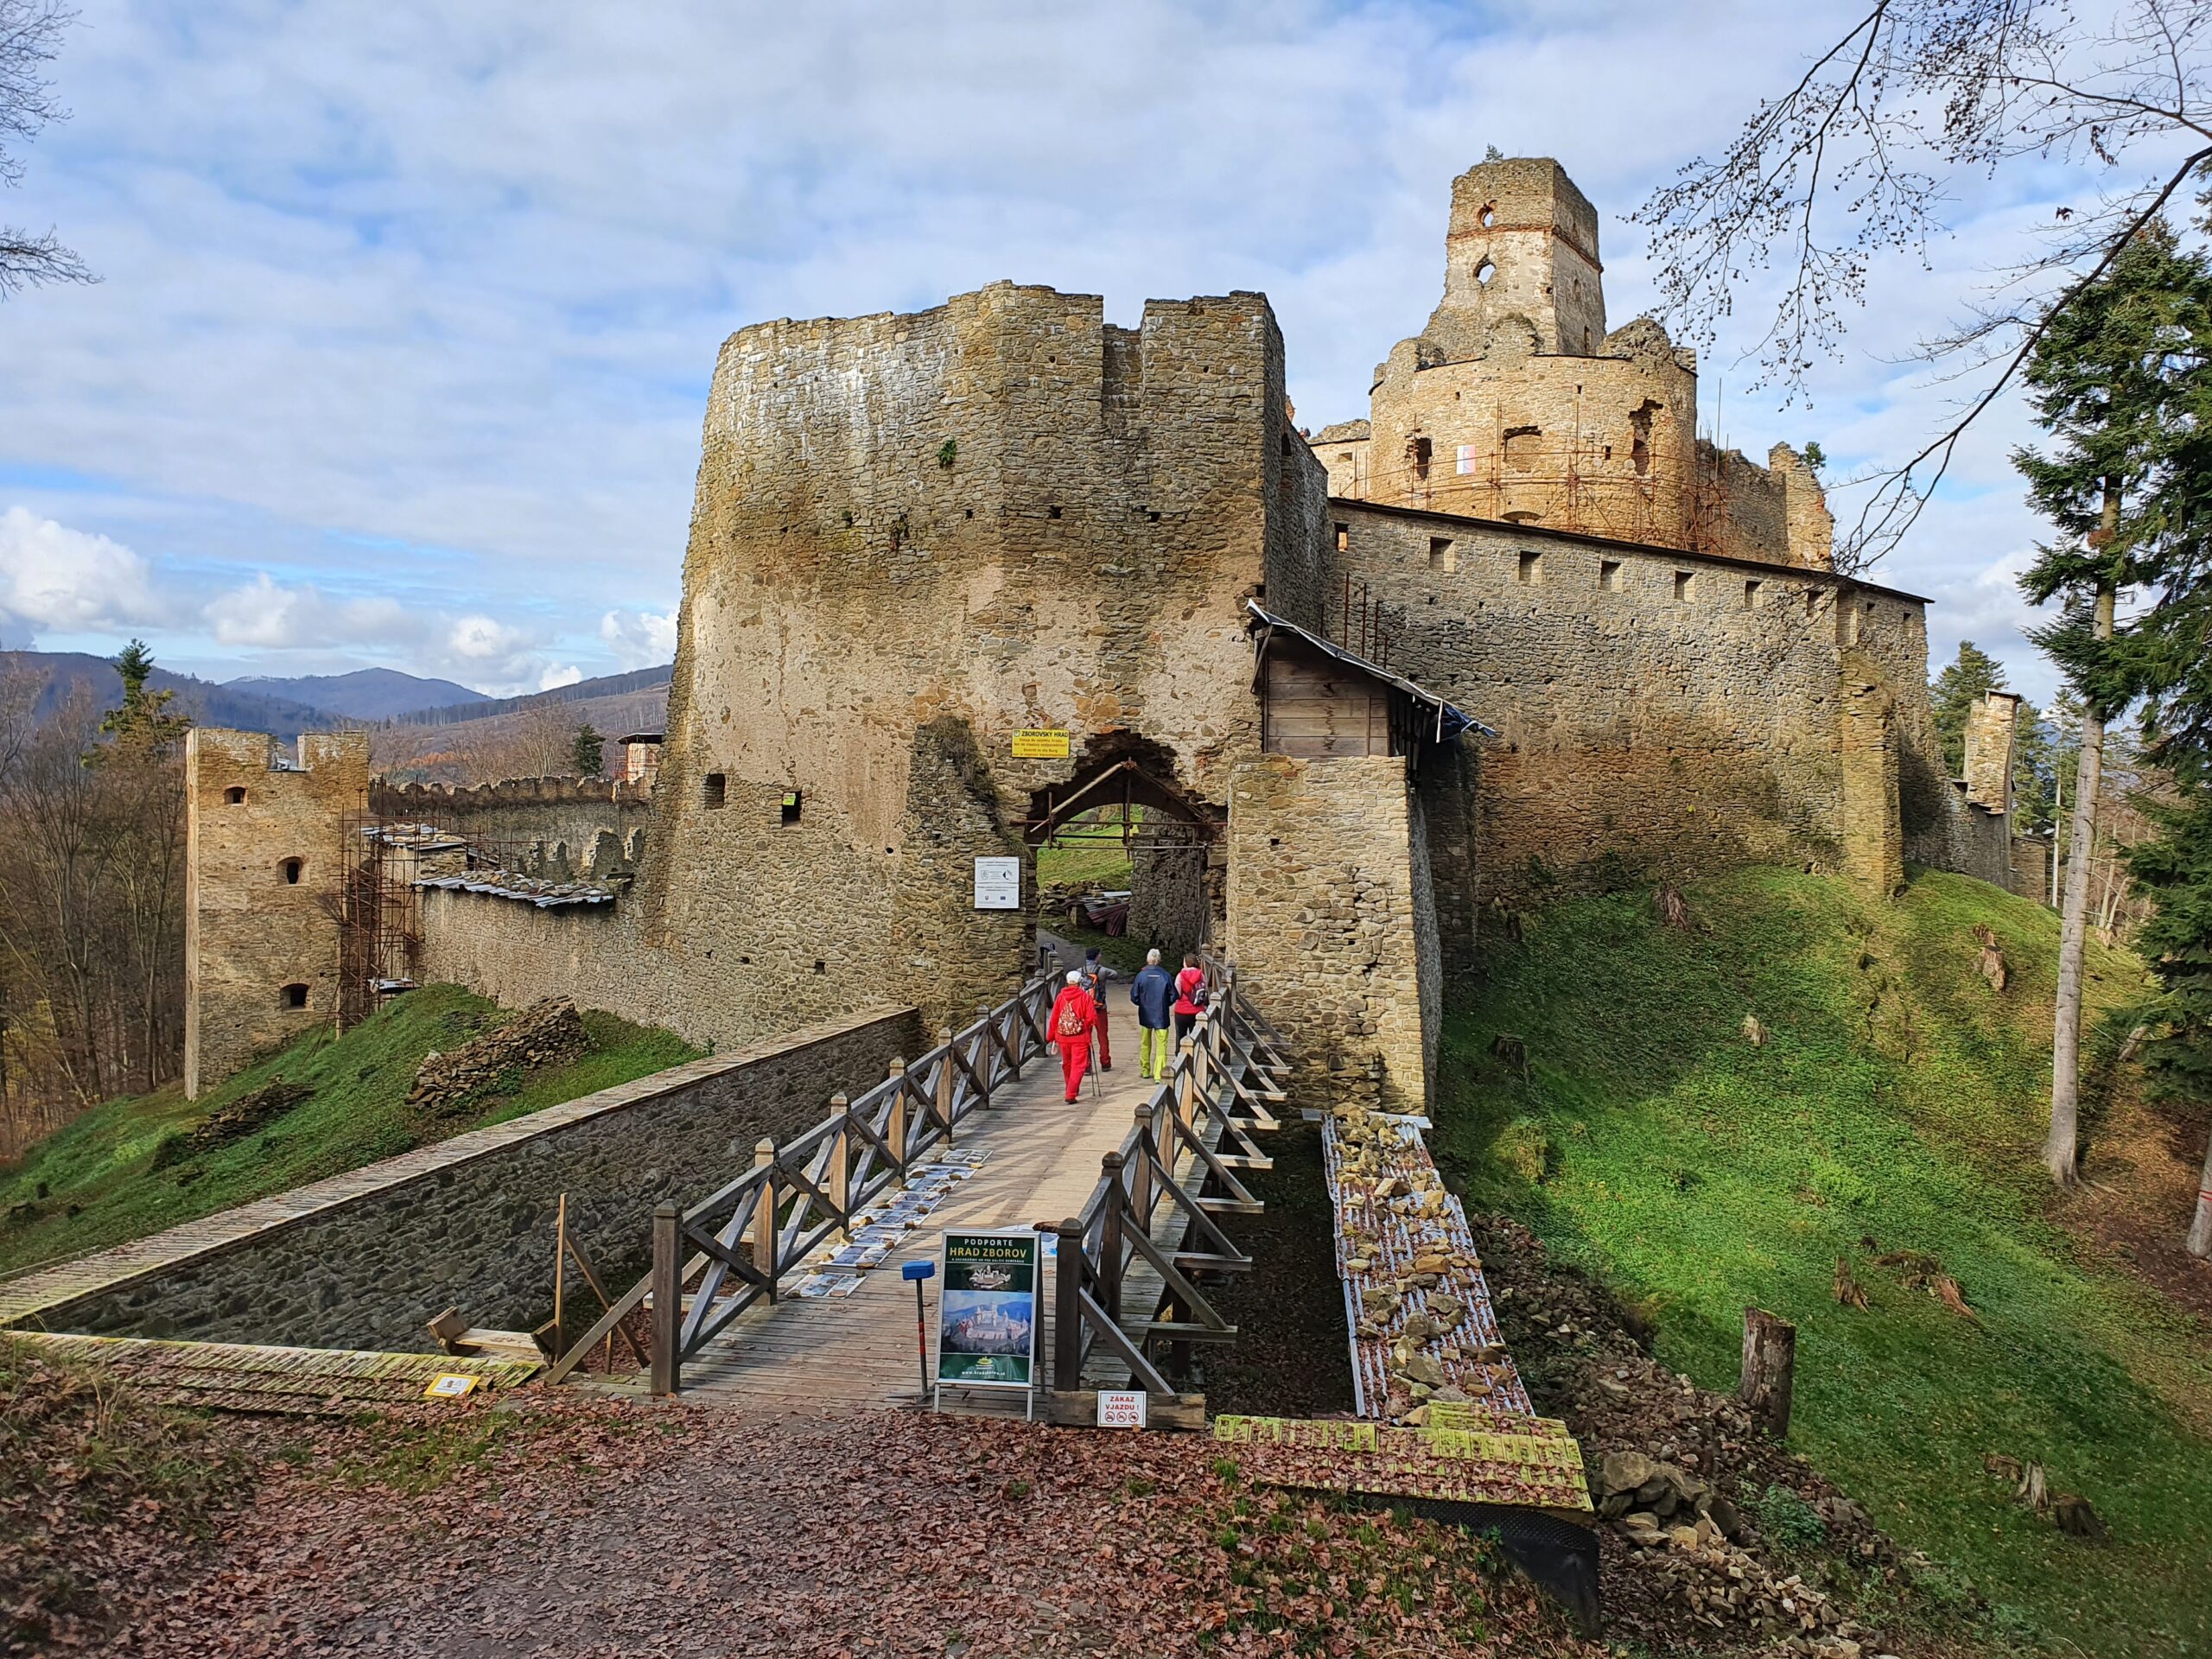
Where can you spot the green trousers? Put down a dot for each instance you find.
(1155, 1053)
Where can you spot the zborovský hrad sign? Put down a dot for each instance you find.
(987, 1311)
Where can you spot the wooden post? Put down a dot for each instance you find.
(1014, 1041)
(560, 1255)
(1769, 1363)
(764, 1215)
(897, 1076)
(1067, 1308)
(841, 1164)
(1110, 1239)
(668, 1296)
(1141, 1177)
(948, 1095)
(897, 1130)
(1186, 1078)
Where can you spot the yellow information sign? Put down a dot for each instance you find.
(1042, 744)
(450, 1385)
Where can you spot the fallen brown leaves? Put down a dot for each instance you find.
(564, 1525)
(97, 1491)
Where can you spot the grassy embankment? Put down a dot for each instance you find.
(98, 1182)
(1897, 1103)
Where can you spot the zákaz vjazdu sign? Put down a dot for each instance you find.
(1041, 744)
(987, 1311)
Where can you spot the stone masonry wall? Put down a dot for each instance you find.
(469, 1222)
(264, 863)
(1658, 713)
(1330, 924)
(522, 810)
(997, 515)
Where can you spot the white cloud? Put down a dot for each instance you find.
(449, 282)
(264, 616)
(68, 581)
(639, 638)
(553, 679)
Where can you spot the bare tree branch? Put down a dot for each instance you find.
(1849, 165)
(30, 38)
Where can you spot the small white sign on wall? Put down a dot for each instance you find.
(1121, 1408)
(998, 883)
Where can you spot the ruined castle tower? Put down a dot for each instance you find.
(914, 537)
(1515, 404)
(264, 868)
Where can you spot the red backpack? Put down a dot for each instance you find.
(1070, 1017)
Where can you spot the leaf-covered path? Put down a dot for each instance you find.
(560, 1527)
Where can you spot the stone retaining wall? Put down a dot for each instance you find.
(364, 1259)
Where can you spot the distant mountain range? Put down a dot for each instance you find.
(365, 693)
(285, 708)
(65, 674)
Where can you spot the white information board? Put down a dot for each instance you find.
(998, 883)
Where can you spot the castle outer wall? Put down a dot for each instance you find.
(1656, 711)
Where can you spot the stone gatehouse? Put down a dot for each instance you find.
(917, 537)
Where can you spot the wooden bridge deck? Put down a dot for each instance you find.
(858, 1351)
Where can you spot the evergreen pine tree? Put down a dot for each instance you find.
(2104, 385)
(1973, 673)
(590, 751)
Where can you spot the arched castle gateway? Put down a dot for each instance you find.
(1518, 626)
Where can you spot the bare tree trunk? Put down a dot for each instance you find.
(2200, 1229)
(2061, 1152)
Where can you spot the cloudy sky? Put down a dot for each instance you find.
(408, 310)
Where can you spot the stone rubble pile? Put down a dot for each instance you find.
(1675, 1471)
(549, 1032)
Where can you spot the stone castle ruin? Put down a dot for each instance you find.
(1519, 628)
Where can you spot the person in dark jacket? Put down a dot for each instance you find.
(1094, 980)
(1153, 992)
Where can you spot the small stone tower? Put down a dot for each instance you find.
(264, 870)
(1522, 242)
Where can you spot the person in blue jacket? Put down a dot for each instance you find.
(1153, 992)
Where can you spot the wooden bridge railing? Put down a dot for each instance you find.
(1195, 1128)
(762, 1227)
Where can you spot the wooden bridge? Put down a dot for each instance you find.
(1126, 1187)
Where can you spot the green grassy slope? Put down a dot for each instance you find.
(1898, 1099)
(103, 1164)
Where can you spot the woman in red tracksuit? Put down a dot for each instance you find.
(1074, 1018)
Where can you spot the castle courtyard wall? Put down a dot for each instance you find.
(1656, 710)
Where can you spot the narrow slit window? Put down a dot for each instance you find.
(1344, 539)
(295, 996)
(1681, 586)
(235, 795)
(1750, 595)
(714, 791)
(1608, 574)
(790, 806)
(1531, 570)
(1812, 602)
(1442, 555)
(292, 867)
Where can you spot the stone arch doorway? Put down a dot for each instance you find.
(1124, 853)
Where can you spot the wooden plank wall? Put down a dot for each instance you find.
(1315, 705)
